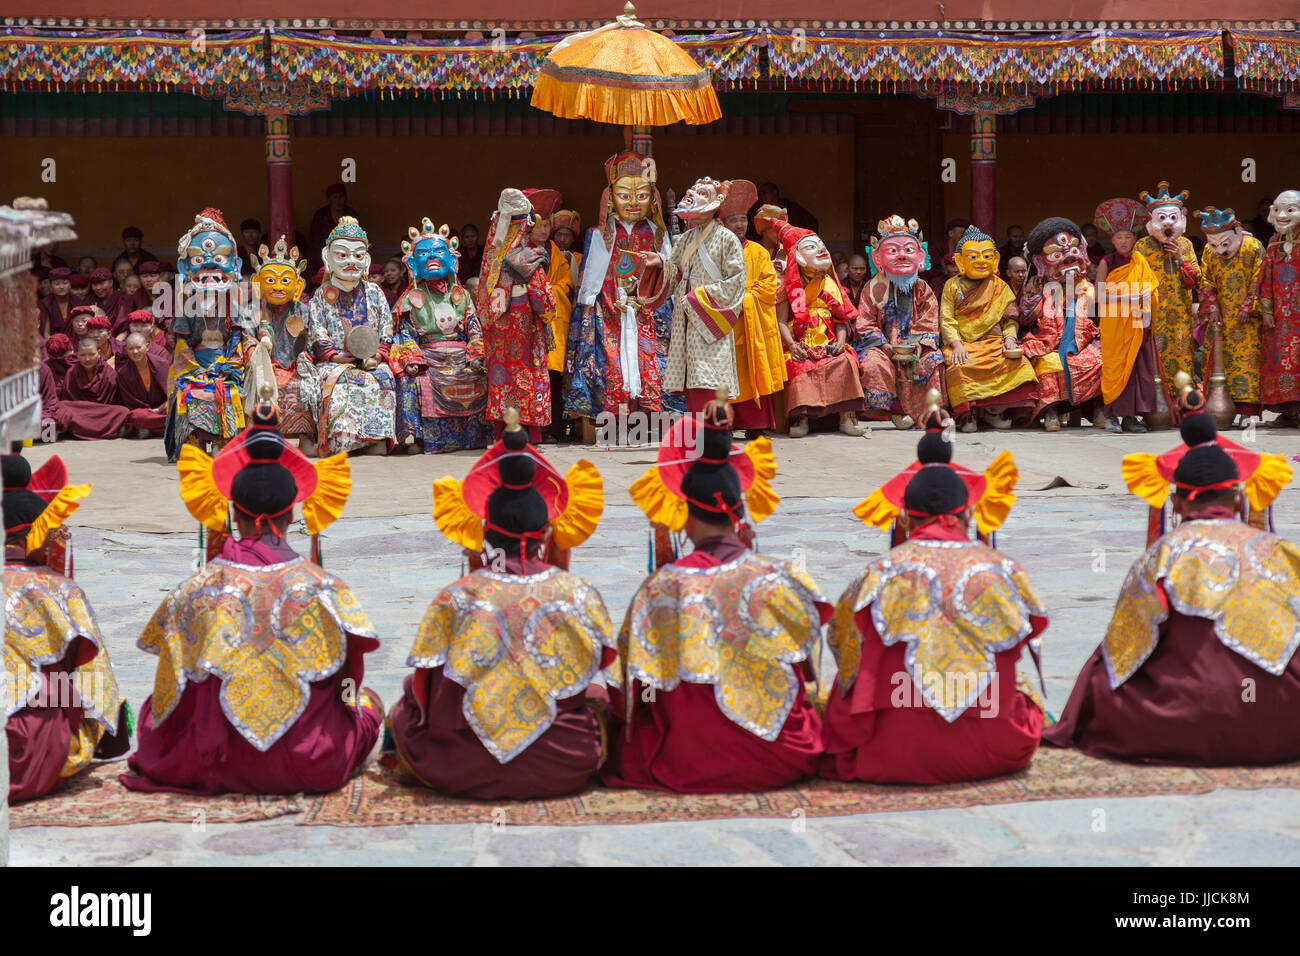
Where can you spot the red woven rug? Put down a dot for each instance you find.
(380, 798)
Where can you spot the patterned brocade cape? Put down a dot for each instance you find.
(268, 632)
(44, 613)
(954, 604)
(738, 626)
(1244, 580)
(517, 644)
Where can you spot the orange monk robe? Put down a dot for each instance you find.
(760, 355)
(562, 288)
(978, 320)
(1123, 325)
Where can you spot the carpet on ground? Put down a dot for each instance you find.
(381, 798)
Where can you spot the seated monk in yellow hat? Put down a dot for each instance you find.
(260, 654)
(501, 705)
(708, 691)
(58, 695)
(1198, 667)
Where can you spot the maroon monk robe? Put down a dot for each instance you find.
(143, 397)
(1184, 706)
(54, 316)
(91, 404)
(438, 745)
(868, 738)
(58, 366)
(49, 393)
(117, 306)
(684, 743)
(197, 750)
(39, 737)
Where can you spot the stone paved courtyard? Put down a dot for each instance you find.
(1076, 544)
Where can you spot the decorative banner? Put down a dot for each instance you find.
(88, 59)
(929, 59)
(354, 64)
(925, 63)
(346, 63)
(1265, 60)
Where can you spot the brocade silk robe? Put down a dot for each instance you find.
(1068, 366)
(698, 702)
(606, 340)
(1198, 667)
(1230, 286)
(705, 275)
(927, 689)
(357, 406)
(1278, 296)
(1173, 318)
(498, 706)
(57, 690)
(889, 316)
(246, 701)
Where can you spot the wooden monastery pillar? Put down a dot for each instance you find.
(984, 172)
(279, 178)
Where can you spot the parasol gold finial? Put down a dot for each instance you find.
(511, 418)
(629, 10)
(933, 398)
(265, 392)
(1183, 382)
(721, 394)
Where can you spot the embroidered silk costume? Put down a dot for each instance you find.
(498, 706)
(897, 339)
(820, 318)
(281, 317)
(612, 356)
(927, 638)
(705, 275)
(1064, 344)
(1207, 612)
(926, 642)
(58, 693)
(978, 310)
(358, 401)
(441, 386)
(1230, 266)
(258, 685)
(1277, 300)
(515, 308)
(708, 690)
(1176, 277)
(208, 372)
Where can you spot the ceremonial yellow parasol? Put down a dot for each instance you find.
(624, 74)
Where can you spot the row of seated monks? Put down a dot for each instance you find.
(520, 685)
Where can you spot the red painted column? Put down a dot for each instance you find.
(279, 178)
(983, 172)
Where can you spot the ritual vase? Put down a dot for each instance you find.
(1221, 408)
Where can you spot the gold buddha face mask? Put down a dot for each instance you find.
(977, 259)
(279, 283)
(632, 197)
